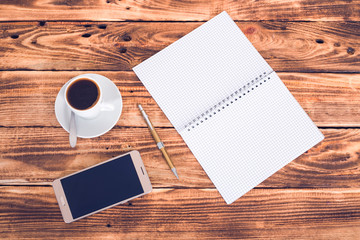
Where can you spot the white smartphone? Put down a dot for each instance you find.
(102, 186)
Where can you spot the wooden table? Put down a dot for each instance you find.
(313, 45)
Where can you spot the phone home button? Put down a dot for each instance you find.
(62, 200)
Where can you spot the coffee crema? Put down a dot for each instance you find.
(83, 94)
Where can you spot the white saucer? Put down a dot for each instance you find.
(94, 127)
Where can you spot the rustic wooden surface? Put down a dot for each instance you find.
(287, 46)
(313, 45)
(170, 213)
(177, 10)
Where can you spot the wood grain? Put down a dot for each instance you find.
(27, 98)
(32, 212)
(287, 46)
(199, 10)
(40, 155)
(313, 45)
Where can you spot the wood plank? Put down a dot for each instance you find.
(40, 155)
(27, 98)
(32, 212)
(200, 10)
(287, 46)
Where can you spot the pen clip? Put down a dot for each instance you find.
(145, 117)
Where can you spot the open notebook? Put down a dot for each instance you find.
(232, 110)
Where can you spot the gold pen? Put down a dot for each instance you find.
(159, 143)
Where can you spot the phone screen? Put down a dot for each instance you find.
(101, 186)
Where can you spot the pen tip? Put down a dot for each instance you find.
(175, 173)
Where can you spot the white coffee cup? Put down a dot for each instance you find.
(85, 87)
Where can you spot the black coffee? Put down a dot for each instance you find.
(82, 94)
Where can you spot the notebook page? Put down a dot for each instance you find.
(194, 73)
(252, 138)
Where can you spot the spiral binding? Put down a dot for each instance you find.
(228, 101)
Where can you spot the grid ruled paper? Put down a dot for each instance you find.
(251, 136)
(195, 72)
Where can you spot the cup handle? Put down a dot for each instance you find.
(106, 107)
